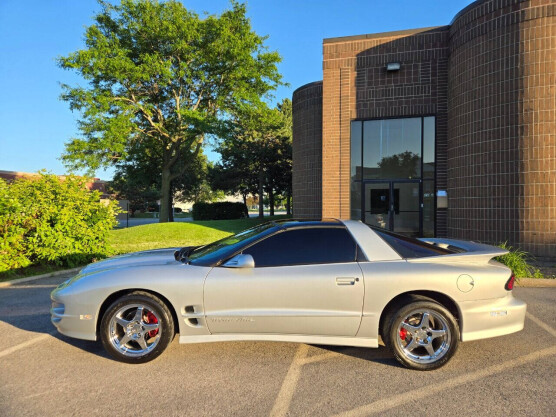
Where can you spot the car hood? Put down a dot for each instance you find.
(150, 257)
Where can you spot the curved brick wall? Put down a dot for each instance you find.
(307, 151)
(501, 124)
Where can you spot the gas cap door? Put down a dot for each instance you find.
(465, 283)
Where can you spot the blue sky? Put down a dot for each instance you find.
(36, 124)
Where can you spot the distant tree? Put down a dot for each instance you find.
(257, 158)
(195, 187)
(233, 179)
(159, 75)
(138, 179)
(249, 151)
(280, 167)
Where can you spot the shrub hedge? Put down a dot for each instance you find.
(519, 262)
(48, 220)
(225, 210)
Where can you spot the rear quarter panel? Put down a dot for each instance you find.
(386, 280)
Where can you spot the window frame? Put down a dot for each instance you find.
(359, 182)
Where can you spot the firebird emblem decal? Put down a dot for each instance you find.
(233, 319)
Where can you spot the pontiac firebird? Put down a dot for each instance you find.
(325, 282)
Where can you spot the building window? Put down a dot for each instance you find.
(392, 148)
(393, 172)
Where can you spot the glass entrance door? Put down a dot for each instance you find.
(377, 204)
(407, 213)
(394, 205)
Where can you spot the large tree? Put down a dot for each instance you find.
(138, 179)
(159, 74)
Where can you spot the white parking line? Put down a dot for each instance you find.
(285, 395)
(19, 287)
(541, 324)
(383, 405)
(284, 399)
(318, 358)
(25, 344)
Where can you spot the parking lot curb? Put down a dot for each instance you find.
(35, 277)
(536, 282)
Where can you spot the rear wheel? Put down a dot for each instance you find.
(136, 328)
(423, 335)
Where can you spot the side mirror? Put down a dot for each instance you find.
(240, 261)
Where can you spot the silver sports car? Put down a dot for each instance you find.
(325, 282)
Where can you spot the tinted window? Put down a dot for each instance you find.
(410, 248)
(304, 246)
(212, 253)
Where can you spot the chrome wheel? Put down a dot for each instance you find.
(424, 336)
(134, 330)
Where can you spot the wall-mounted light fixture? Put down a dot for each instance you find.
(393, 66)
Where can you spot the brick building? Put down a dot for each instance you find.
(444, 131)
(96, 184)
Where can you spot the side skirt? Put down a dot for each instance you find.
(311, 340)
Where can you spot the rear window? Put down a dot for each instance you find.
(410, 248)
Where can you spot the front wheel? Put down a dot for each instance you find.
(136, 328)
(423, 335)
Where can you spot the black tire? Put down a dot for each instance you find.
(121, 323)
(422, 335)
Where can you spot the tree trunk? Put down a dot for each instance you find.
(261, 192)
(288, 202)
(165, 196)
(271, 200)
(170, 209)
(244, 198)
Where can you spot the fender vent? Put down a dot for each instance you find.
(190, 311)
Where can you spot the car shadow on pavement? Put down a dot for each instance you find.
(380, 355)
(39, 322)
(88, 346)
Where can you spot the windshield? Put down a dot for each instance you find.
(222, 249)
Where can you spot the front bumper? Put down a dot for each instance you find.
(79, 324)
(490, 318)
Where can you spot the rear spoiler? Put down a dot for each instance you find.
(468, 252)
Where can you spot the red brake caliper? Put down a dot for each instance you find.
(151, 318)
(403, 333)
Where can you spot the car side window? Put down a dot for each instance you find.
(304, 246)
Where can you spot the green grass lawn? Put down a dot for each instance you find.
(158, 235)
(166, 235)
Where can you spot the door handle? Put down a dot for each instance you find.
(346, 280)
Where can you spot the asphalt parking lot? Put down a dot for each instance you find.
(43, 373)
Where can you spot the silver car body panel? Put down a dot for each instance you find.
(335, 304)
(302, 299)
